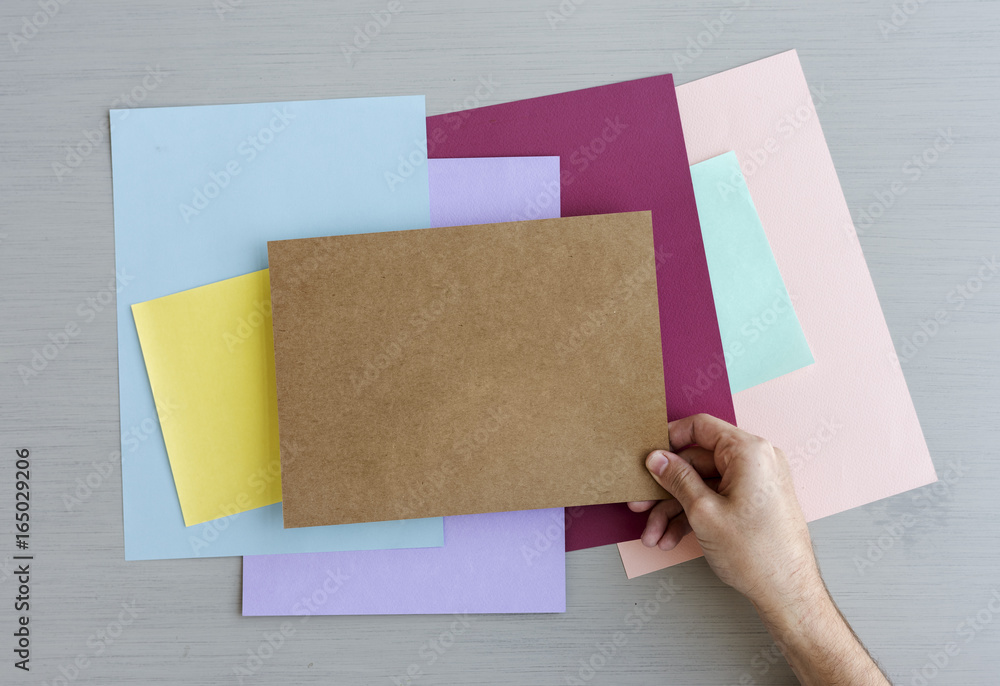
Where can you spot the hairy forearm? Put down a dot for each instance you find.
(817, 641)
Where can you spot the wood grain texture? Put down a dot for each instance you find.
(887, 92)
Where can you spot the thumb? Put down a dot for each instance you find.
(678, 477)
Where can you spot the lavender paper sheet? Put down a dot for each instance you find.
(490, 563)
(508, 562)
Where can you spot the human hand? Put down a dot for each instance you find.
(735, 491)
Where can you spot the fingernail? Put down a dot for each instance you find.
(657, 463)
(646, 540)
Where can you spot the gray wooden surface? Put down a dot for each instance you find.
(889, 93)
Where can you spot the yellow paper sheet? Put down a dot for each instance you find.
(209, 353)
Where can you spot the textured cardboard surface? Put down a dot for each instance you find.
(467, 369)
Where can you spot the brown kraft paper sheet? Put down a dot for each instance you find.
(471, 369)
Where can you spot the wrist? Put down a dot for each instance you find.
(795, 600)
(817, 641)
(803, 623)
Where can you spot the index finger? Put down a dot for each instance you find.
(702, 429)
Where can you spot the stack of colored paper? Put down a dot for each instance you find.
(407, 385)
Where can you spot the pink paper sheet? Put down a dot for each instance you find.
(847, 423)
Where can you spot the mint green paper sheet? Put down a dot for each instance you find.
(761, 335)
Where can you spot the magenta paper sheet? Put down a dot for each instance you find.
(490, 563)
(621, 149)
(847, 422)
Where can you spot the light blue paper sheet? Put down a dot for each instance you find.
(198, 191)
(761, 335)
